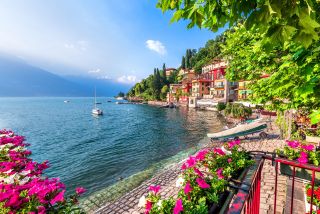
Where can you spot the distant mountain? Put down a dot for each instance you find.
(105, 87)
(21, 79)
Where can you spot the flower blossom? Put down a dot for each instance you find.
(219, 173)
(187, 188)
(303, 158)
(219, 151)
(202, 154)
(293, 144)
(142, 201)
(229, 160)
(179, 182)
(178, 207)
(309, 147)
(233, 143)
(202, 183)
(200, 174)
(148, 207)
(80, 190)
(154, 189)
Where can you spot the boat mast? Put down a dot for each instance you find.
(95, 98)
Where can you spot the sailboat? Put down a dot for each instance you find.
(95, 110)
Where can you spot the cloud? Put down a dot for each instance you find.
(79, 45)
(127, 79)
(156, 46)
(94, 71)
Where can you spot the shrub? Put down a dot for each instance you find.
(23, 188)
(221, 106)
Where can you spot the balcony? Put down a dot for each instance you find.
(219, 86)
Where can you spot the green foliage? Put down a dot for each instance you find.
(120, 94)
(280, 20)
(294, 71)
(154, 87)
(221, 106)
(237, 110)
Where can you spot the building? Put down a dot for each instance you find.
(172, 94)
(220, 90)
(200, 87)
(169, 71)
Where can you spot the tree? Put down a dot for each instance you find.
(183, 62)
(294, 71)
(164, 91)
(279, 20)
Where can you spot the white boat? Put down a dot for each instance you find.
(119, 98)
(96, 110)
(67, 101)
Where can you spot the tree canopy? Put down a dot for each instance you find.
(280, 20)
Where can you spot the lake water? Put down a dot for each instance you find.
(94, 152)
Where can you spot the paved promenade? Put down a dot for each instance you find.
(167, 179)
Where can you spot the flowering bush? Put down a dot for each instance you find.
(316, 195)
(204, 177)
(23, 189)
(303, 153)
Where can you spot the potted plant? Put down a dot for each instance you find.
(313, 136)
(203, 182)
(302, 153)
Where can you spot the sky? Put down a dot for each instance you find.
(123, 40)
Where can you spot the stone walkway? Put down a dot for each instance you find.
(128, 203)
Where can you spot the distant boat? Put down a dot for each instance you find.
(120, 98)
(95, 110)
(98, 103)
(66, 101)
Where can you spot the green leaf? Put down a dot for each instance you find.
(315, 116)
(176, 16)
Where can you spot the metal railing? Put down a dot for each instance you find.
(247, 200)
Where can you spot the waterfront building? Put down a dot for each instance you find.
(220, 89)
(174, 89)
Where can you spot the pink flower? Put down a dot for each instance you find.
(58, 198)
(154, 189)
(219, 151)
(233, 143)
(41, 210)
(148, 207)
(309, 147)
(202, 154)
(80, 190)
(293, 144)
(303, 158)
(198, 172)
(202, 183)
(184, 167)
(219, 173)
(178, 207)
(229, 160)
(191, 162)
(187, 188)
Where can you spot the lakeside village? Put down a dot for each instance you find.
(205, 90)
(274, 53)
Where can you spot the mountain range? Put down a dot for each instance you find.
(18, 78)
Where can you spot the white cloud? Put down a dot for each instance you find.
(94, 71)
(128, 79)
(79, 45)
(156, 46)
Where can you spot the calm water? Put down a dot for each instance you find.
(94, 152)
